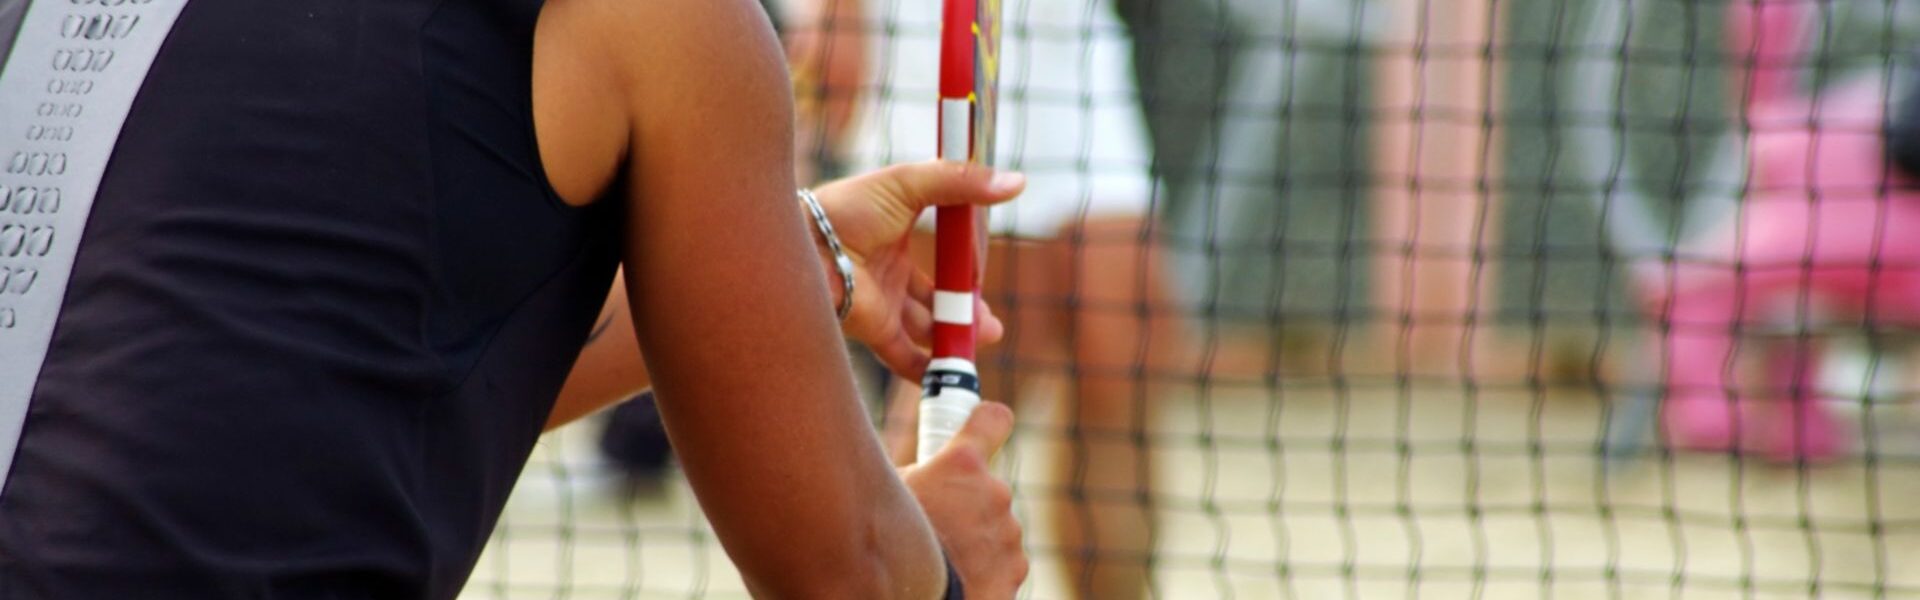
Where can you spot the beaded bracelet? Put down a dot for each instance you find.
(840, 260)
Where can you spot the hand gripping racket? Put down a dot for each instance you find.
(969, 69)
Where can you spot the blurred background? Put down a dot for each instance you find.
(1387, 299)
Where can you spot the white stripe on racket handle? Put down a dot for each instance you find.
(952, 388)
(956, 129)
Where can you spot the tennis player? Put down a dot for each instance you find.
(1073, 266)
(344, 255)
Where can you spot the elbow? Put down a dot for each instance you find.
(891, 558)
(906, 567)
(874, 577)
(882, 576)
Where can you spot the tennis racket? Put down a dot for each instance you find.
(969, 69)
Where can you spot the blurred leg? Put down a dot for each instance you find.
(1105, 520)
(1433, 157)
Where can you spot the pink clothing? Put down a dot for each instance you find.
(1828, 225)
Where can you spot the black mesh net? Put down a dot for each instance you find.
(1391, 298)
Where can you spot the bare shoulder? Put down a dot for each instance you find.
(607, 72)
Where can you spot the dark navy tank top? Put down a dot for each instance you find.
(319, 308)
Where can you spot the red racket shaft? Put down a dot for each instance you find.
(952, 383)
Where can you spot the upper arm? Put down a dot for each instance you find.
(732, 313)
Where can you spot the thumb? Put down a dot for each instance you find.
(945, 183)
(985, 432)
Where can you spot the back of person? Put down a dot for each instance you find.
(324, 282)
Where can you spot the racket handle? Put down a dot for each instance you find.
(952, 389)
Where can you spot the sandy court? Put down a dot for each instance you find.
(1372, 489)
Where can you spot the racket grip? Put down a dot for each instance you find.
(952, 389)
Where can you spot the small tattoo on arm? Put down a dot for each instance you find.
(606, 322)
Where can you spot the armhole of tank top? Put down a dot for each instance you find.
(528, 128)
(531, 128)
(66, 87)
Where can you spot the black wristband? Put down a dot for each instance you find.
(955, 591)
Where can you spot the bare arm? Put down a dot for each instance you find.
(754, 384)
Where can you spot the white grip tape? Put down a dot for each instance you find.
(956, 128)
(941, 416)
(953, 308)
(946, 408)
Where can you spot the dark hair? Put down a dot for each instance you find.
(1903, 119)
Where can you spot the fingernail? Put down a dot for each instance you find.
(1006, 181)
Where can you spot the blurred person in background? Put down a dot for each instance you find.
(1825, 234)
(1286, 133)
(1074, 267)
